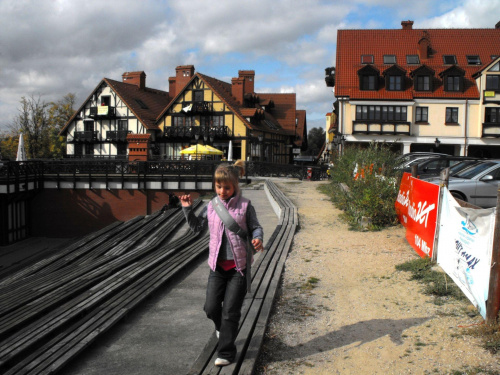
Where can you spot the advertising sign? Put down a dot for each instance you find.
(417, 206)
(102, 110)
(465, 246)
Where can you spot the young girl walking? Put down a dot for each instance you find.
(227, 283)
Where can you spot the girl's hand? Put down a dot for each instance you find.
(257, 244)
(186, 200)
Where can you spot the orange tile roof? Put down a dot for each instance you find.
(351, 44)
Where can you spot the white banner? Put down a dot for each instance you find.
(464, 248)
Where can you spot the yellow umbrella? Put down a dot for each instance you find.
(202, 150)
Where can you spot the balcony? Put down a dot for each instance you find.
(491, 130)
(86, 136)
(102, 111)
(193, 131)
(117, 135)
(380, 128)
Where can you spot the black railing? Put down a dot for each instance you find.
(192, 131)
(117, 135)
(14, 171)
(86, 136)
(102, 112)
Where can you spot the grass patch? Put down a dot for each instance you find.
(489, 334)
(437, 284)
(310, 283)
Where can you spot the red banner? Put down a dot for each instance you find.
(416, 207)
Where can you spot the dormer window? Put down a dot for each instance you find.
(412, 59)
(394, 78)
(449, 59)
(422, 78)
(368, 78)
(453, 79)
(473, 60)
(366, 59)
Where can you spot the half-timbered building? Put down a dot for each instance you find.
(128, 119)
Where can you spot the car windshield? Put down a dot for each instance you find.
(466, 164)
(474, 170)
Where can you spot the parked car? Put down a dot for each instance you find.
(433, 166)
(476, 184)
(408, 157)
(404, 164)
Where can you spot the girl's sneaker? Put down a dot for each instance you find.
(222, 362)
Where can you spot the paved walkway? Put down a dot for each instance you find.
(168, 332)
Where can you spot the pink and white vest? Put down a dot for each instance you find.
(237, 208)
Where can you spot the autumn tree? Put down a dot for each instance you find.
(40, 123)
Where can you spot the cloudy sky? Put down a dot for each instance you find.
(50, 48)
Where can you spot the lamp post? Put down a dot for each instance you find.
(437, 142)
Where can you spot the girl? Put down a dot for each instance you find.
(227, 259)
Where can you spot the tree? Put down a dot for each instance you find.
(315, 141)
(40, 123)
(59, 114)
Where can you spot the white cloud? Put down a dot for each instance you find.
(469, 14)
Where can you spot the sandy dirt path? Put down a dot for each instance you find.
(344, 309)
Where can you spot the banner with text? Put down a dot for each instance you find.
(465, 248)
(416, 207)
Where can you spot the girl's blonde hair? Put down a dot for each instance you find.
(230, 173)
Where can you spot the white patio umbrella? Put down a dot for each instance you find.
(230, 151)
(21, 151)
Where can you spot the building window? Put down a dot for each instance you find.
(218, 121)
(492, 82)
(449, 59)
(451, 115)
(389, 59)
(89, 149)
(492, 115)
(452, 83)
(473, 60)
(412, 59)
(123, 125)
(366, 59)
(78, 149)
(368, 82)
(422, 83)
(421, 114)
(380, 113)
(88, 126)
(106, 101)
(395, 83)
(183, 121)
(198, 95)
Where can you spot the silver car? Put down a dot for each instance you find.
(477, 184)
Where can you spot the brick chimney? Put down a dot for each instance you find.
(238, 88)
(407, 25)
(249, 76)
(424, 45)
(171, 87)
(138, 146)
(183, 74)
(135, 78)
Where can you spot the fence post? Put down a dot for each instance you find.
(444, 176)
(414, 171)
(493, 302)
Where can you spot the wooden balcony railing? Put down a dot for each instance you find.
(103, 111)
(86, 136)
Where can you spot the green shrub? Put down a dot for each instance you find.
(373, 190)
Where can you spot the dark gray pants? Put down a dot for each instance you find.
(225, 295)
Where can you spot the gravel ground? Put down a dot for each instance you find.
(344, 309)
